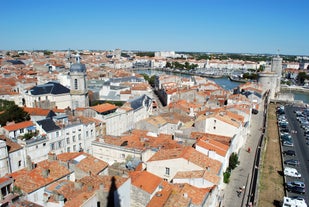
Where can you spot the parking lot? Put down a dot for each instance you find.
(293, 125)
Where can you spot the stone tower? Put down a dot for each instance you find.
(270, 79)
(78, 83)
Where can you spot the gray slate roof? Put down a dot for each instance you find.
(48, 125)
(141, 101)
(49, 88)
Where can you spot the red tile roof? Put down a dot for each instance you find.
(31, 180)
(20, 125)
(145, 181)
(12, 146)
(104, 107)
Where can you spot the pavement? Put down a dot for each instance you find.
(241, 175)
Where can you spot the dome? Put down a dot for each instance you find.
(78, 67)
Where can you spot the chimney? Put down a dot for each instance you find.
(185, 195)
(52, 156)
(78, 185)
(45, 173)
(29, 163)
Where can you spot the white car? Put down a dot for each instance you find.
(292, 172)
(290, 202)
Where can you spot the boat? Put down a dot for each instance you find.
(237, 79)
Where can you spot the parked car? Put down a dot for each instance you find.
(284, 129)
(289, 152)
(291, 162)
(295, 183)
(296, 189)
(289, 202)
(292, 172)
(287, 144)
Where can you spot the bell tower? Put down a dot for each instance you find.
(78, 83)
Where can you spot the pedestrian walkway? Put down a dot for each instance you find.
(235, 193)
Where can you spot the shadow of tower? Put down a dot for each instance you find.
(113, 199)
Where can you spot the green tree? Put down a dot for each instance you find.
(301, 77)
(233, 161)
(226, 176)
(46, 52)
(168, 65)
(12, 112)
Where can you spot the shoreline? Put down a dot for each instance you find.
(295, 88)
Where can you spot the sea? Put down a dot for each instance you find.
(224, 82)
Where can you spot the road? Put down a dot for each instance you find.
(300, 147)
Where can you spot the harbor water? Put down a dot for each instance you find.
(224, 82)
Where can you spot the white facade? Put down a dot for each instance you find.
(17, 161)
(167, 169)
(37, 149)
(62, 101)
(4, 161)
(218, 127)
(118, 122)
(197, 182)
(64, 79)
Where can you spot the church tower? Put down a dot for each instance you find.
(78, 83)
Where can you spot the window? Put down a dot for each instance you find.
(21, 130)
(36, 146)
(74, 139)
(19, 163)
(59, 144)
(214, 127)
(79, 137)
(68, 140)
(57, 134)
(44, 144)
(167, 171)
(74, 148)
(87, 133)
(52, 146)
(75, 84)
(68, 149)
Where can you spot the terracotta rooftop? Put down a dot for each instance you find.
(11, 146)
(104, 107)
(84, 162)
(31, 180)
(189, 154)
(212, 145)
(198, 174)
(222, 139)
(145, 181)
(139, 139)
(162, 195)
(20, 125)
(36, 111)
(197, 195)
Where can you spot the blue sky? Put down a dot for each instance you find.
(240, 26)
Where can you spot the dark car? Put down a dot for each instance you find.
(289, 152)
(291, 162)
(296, 189)
(295, 183)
